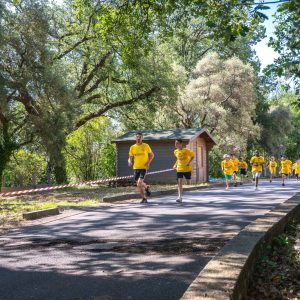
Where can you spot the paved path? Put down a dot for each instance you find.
(132, 250)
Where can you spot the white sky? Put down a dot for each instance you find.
(266, 54)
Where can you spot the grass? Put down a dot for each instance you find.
(11, 208)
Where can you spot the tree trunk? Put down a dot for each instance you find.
(59, 164)
(5, 153)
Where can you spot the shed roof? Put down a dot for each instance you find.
(166, 135)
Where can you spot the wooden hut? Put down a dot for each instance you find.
(162, 144)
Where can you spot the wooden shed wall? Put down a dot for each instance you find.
(200, 162)
(164, 159)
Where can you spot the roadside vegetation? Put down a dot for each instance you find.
(277, 272)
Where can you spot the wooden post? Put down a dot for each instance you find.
(21, 180)
(49, 177)
(3, 182)
(33, 179)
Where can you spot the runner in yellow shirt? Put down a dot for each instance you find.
(294, 169)
(272, 168)
(183, 166)
(228, 169)
(286, 167)
(257, 163)
(297, 169)
(243, 169)
(140, 156)
(235, 161)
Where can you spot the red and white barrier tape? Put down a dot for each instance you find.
(56, 187)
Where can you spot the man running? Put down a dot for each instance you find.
(286, 167)
(235, 161)
(257, 163)
(227, 166)
(272, 168)
(297, 169)
(140, 156)
(183, 166)
(243, 169)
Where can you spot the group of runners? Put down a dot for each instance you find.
(231, 165)
(141, 156)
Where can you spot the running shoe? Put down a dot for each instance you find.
(147, 190)
(144, 200)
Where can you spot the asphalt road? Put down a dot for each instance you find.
(131, 250)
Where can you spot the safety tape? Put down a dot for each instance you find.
(56, 187)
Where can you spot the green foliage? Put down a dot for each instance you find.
(280, 241)
(287, 43)
(215, 158)
(89, 152)
(23, 166)
(281, 124)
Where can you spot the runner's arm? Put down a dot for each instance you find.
(130, 161)
(191, 159)
(151, 156)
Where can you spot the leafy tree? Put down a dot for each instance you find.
(287, 42)
(61, 87)
(14, 130)
(281, 126)
(67, 66)
(222, 99)
(293, 140)
(23, 167)
(276, 129)
(89, 152)
(35, 84)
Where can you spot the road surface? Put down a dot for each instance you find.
(131, 250)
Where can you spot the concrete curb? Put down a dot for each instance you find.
(33, 215)
(158, 193)
(227, 275)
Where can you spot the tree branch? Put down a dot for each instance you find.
(81, 88)
(110, 106)
(95, 85)
(89, 99)
(84, 39)
(114, 79)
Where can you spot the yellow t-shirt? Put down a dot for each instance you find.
(183, 157)
(272, 165)
(235, 163)
(140, 155)
(243, 165)
(227, 167)
(297, 168)
(257, 163)
(286, 166)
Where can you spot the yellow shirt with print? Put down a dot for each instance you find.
(243, 165)
(235, 163)
(257, 163)
(183, 157)
(140, 155)
(286, 166)
(227, 167)
(272, 165)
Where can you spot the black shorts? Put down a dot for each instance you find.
(186, 175)
(139, 173)
(243, 172)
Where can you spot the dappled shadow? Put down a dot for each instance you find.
(157, 248)
(83, 276)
